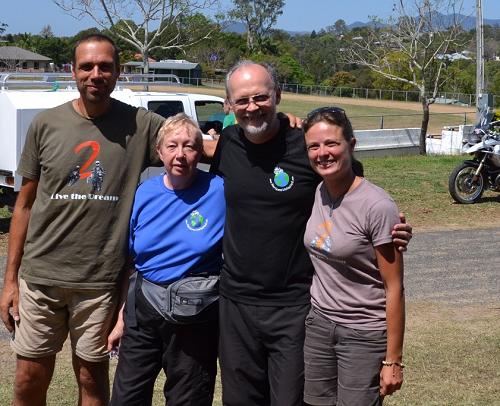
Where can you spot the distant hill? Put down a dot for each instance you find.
(241, 28)
(358, 24)
(468, 23)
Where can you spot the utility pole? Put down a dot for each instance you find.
(479, 52)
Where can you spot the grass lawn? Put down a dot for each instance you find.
(369, 117)
(419, 185)
(452, 356)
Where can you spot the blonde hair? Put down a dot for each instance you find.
(173, 123)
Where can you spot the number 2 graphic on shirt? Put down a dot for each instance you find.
(94, 145)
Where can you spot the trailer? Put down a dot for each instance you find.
(18, 107)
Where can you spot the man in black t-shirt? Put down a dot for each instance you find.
(269, 189)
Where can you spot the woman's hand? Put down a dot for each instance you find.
(116, 334)
(391, 379)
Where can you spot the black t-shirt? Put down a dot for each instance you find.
(269, 191)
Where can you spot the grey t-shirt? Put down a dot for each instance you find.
(87, 172)
(347, 286)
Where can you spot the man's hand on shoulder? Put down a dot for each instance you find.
(402, 234)
(294, 121)
(10, 300)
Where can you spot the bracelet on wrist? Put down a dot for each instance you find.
(391, 363)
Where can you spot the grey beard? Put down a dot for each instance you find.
(254, 131)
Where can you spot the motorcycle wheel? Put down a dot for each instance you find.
(461, 186)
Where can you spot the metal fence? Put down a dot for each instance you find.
(454, 98)
(412, 120)
(460, 99)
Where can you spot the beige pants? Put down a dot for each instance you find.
(49, 313)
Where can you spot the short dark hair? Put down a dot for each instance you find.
(97, 37)
(247, 62)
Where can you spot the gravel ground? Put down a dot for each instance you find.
(448, 267)
(454, 267)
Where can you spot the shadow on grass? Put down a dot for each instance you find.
(4, 225)
(483, 200)
(490, 199)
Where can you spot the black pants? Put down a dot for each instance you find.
(261, 354)
(187, 354)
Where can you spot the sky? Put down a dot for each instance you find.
(298, 15)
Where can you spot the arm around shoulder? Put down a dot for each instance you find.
(209, 147)
(402, 233)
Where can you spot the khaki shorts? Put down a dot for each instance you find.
(48, 313)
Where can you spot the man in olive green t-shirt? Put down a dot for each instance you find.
(67, 248)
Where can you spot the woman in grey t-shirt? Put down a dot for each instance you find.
(354, 331)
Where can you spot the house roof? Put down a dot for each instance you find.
(170, 64)
(15, 53)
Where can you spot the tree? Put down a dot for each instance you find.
(46, 31)
(419, 35)
(462, 77)
(3, 27)
(338, 28)
(27, 41)
(492, 77)
(343, 78)
(259, 17)
(289, 70)
(189, 26)
(154, 18)
(319, 55)
(56, 48)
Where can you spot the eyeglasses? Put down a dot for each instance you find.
(244, 102)
(321, 110)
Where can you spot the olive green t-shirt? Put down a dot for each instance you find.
(88, 170)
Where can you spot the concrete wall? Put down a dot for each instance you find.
(387, 142)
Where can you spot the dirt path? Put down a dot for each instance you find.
(435, 108)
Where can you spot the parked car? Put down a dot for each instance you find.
(18, 107)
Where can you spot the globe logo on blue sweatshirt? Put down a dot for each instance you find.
(196, 221)
(281, 181)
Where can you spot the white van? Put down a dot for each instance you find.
(18, 107)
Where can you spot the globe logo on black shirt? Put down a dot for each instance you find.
(196, 221)
(281, 181)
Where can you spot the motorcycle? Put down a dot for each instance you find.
(468, 180)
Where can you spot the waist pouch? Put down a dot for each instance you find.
(186, 301)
